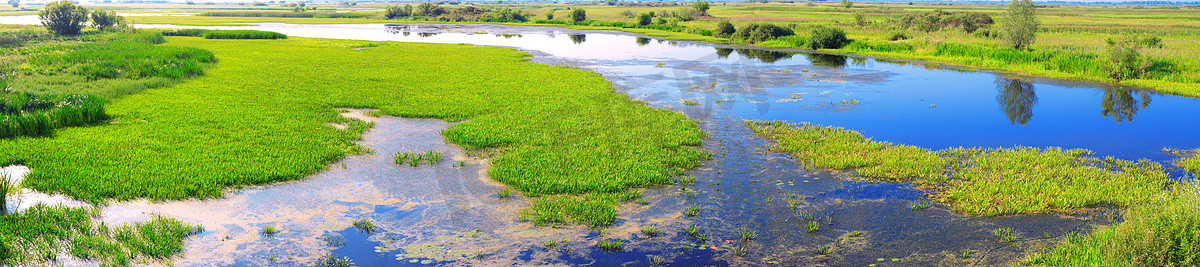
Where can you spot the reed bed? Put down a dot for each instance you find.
(30, 115)
(27, 237)
(975, 180)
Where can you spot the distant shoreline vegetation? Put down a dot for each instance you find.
(226, 34)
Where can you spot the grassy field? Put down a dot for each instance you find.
(977, 181)
(1070, 44)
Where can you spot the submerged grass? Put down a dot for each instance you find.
(40, 234)
(976, 181)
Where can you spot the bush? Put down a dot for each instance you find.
(1021, 24)
(756, 33)
(242, 34)
(937, 19)
(63, 17)
(986, 33)
(897, 35)
(827, 38)
(643, 19)
(724, 30)
(105, 19)
(396, 12)
(1125, 58)
(429, 10)
(578, 15)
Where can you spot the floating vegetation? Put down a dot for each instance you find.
(1004, 235)
(660, 64)
(610, 245)
(331, 260)
(691, 211)
(365, 226)
(333, 240)
(650, 231)
(978, 181)
(268, 231)
(690, 102)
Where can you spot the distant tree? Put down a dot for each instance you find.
(63, 17)
(14, 3)
(394, 12)
(643, 19)
(1021, 24)
(105, 19)
(429, 10)
(847, 4)
(701, 6)
(578, 15)
(724, 29)
(259, 4)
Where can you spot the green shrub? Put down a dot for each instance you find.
(105, 19)
(755, 33)
(1125, 58)
(643, 19)
(827, 38)
(724, 29)
(1152, 42)
(63, 17)
(242, 34)
(578, 14)
(396, 12)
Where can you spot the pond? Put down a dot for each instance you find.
(424, 218)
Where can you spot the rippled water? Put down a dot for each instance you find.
(426, 218)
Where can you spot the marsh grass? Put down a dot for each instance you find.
(549, 245)
(977, 181)
(332, 260)
(650, 231)
(504, 194)
(365, 226)
(333, 240)
(23, 114)
(1004, 235)
(28, 237)
(813, 227)
(608, 245)
(415, 159)
(1162, 232)
(691, 211)
(740, 251)
(748, 235)
(268, 231)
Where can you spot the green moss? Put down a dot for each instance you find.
(977, 181)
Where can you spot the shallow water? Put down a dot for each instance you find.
(448, 215)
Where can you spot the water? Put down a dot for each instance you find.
(456, 221)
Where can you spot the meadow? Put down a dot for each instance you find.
(1070, 43)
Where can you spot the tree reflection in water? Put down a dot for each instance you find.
(578, 38)
(1121, 106)
(643, 41)
(1016, 98)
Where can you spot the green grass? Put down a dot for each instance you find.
(1160, 233)
(269, 231)
(976, 181)
(365, 226)
(23, 114)
(417, 158)
(610, 245)
(40, 234)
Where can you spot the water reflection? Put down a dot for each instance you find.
(1120, 105)
(833, 61)
(426, 34)
(764, 55)
(724, 52)
(643, 41)
(578, 38)
(1016, 98)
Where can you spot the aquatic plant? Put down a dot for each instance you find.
(333, 240)
(919, 205)
(504, 194)
(691, 211)
(821, 251)
(242, 34)
(1063, 179)
(1004, 235)
(549, 244)
(650, 231)
(686, 180)
(365, 226)
(966, 253)
(268, 231)
(691, 230)
(657, 260)
(34, 233)
(855, 234)
(607, 245)
(740, 251)
(332, 260)
(748, 234)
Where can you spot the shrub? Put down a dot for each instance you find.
(1125, 58)
(897, 35)
(63, 17)
(105, 19)
(860, 19)
(429, 10)
(1021, 24)
(847, 4)
(827, 38)
(986, 33)
(939, 19)
(504, 14)
(643, 19)
(242, 34)
(755, 33)
(724, 29)
(396, 12)
(578, 15)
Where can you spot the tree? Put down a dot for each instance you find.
(847, 4)
(1021, 24)
(701, 6)
(1125, 58)
(643, 19)
(578, 15)
(724, 29)
(429, 10)
(395, 12)
(105, 19)
(14, 3)
(63, 17)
